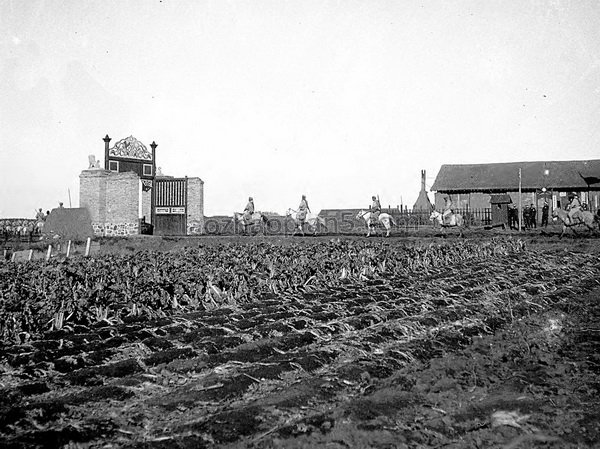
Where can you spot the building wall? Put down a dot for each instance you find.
(147, 205)
(92, 193)
(482, 200)
(477, 200)
(112, 200)
(195, 206)
(464, 200)
(122, 204)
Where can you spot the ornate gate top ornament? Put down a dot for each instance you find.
(130, 147)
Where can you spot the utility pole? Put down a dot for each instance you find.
(520, 201)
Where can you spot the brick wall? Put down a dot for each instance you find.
(195, 206)
(147, 205)
(112, 200)
(92, 193)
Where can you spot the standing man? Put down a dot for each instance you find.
(447, 210)
(249, 210)
(526, 217)
(533, 216)
(545, 209)
(513, 217)
(375, 210)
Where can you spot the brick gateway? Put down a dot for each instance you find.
(128, 196)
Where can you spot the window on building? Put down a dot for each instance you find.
(113, 166)
(147, 170)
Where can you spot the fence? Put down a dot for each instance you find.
(55, 249)
(476, 217)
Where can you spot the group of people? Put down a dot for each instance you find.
(17, 228)
(40, 216)
(304, 209)
(529, 212)
(529, 216)
(40, 219)
(574, 209)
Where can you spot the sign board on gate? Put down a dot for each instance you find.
(170, 210)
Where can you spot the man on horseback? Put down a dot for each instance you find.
(249, 210)
(40, 218)
(574, 209)
(375, 209)
(447, 214)
(303, 209)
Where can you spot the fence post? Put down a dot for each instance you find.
(12, 259)
(30, 255)
(87, 246)
(48, 253)
(68, 248)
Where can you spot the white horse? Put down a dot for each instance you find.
(456, 220)
(384, 220)
(312, 220)
(256, 218)
(25, 230)
(587, 219)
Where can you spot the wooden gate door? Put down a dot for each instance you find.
(170, 206)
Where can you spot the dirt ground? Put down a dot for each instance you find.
(321, 369)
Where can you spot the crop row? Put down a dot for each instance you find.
(37, 296)
(252, 368)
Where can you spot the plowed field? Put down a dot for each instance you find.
(494, 348)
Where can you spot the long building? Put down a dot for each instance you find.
(471, 185)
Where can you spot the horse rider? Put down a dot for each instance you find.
(303, 209)
(39, 220)
(375, 210)
(447, 210)
(574, 209)
(249, 210)
(39, 216)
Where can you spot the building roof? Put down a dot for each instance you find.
(502, 177)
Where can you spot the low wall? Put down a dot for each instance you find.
(116, 229)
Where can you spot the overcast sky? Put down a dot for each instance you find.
(337, 100)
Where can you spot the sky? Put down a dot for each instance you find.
(338, 100)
